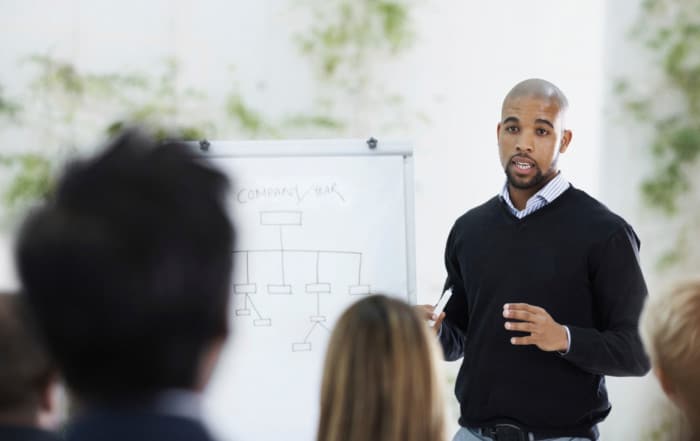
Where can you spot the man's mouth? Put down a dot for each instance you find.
(522, 165)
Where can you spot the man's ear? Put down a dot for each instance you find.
(49, 403)
(207, 363)
(565, 140)
(48, 397)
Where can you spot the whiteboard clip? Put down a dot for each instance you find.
(372, 143)
(204, 145)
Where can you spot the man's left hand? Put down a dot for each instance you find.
(545, 333)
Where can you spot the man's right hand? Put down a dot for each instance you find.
(426, 313)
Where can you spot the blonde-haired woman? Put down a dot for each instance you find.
(670, 328)
(381, 379)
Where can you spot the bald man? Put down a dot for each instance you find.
(547, 290)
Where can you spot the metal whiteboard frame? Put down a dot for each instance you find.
(339, 147)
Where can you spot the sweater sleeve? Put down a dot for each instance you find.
(614, 346)
(453, 328)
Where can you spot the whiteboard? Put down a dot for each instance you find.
(320, 224)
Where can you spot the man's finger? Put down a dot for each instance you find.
(519, 315)
(424, 311)
(523, 307)
(438, 322)
(521, 341)
(520, 326)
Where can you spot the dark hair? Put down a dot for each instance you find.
(25, 366)
(128, 267)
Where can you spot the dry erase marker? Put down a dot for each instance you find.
(440, 306)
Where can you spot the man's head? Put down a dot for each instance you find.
(27, 374)
(532, 133)
(127, 268)
(671, 332)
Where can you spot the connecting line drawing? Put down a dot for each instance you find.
(316, 289)
(245, 290)
(282, 219)
(305, 345)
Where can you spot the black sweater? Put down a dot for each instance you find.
(577, 260)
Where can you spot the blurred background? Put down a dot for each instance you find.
(433, 72)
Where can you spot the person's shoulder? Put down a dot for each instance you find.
(138, 425)
(597, 215)
(23, 433)
(480, 212)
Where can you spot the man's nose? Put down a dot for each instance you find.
(524, 145)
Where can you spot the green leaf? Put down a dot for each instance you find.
(32, 182)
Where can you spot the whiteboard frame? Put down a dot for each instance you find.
(326, 148)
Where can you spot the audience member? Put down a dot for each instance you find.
(381, 379)
(671, 333)
(28, 378)
(127, 268)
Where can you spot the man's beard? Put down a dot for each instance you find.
(524, 185)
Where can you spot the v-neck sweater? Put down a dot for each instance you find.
(578, 261)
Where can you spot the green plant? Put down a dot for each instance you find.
(346, 41)
(69, 107)
(670, 32)
(32, 179)
(344, 33)
(74, 97)
(8, 107)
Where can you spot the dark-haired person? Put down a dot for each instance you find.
(28, 377)
(127, 268)
(547, 290)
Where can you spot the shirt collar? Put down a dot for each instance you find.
(548, 193)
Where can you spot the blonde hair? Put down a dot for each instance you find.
(671, 333)
(381, 379)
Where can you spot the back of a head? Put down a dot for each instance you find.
(127, 267)
(671, 332)
(25, 367)
(381, 378)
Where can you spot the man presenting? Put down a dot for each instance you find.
(547, 290)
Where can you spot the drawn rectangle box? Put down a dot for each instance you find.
(359, 290)
(280, 218)
(262, 322)
(245, 288)
(279, 289)
(317, 318)
(318, 288)
(243, 312)
(299, 347)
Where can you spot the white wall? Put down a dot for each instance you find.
(8, 279)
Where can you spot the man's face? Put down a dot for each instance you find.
(530, 139)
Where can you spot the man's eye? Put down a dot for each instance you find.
(542, 132)
(512, 129)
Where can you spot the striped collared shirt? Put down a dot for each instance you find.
(547, 194)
